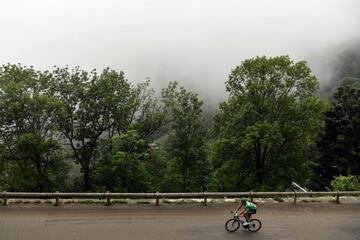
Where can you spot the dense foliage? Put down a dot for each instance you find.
(339, 143)
(346, 183)
(74, 130)
(264, 131)
(188, 168)
(31, 149)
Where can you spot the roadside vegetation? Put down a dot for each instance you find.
(73, 130)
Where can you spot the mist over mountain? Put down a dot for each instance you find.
(196, 43)
(345, 64)
(335, 65)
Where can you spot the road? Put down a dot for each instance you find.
(89, 222)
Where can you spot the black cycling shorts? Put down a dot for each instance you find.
(251, 211)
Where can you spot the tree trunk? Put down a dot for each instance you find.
(184, 175)
(259, 164)
(184, 183)
(39, 175)
(86, 170)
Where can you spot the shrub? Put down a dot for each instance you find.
(345, 183)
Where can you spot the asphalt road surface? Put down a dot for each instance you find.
(89, 222)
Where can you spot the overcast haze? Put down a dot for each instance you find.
(193, 42)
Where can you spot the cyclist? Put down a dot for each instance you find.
(249, 208)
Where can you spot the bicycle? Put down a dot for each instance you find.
(234, 223)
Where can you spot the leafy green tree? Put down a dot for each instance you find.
(98, 107)
(329, 92)
(28, 131)
(351, 82)
(264, 131)
(189, 168)
(90, 103)
(339, 143)
(131, 164)
(130, 157)
(4, 172)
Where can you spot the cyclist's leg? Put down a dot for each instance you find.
(247, 215)
(249, 212)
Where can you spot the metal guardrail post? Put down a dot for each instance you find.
(57, 199)
(5, 203)
(108, 199)
(337, 197)
(157, 198)
(295, 197)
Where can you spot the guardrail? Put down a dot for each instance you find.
(202, 195)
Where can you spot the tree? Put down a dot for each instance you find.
(130, 157)
(28, 130)
(4, 172)
(351, 82)
(186, 139)
(98, 107)
(339, 143)
(264, 131)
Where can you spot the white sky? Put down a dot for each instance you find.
(195, 42)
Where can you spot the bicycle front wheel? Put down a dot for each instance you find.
(254, 225)
(232, 225)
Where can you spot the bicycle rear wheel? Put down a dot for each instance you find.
(232, 225)
(254, 225)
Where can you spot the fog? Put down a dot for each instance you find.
(193, 42)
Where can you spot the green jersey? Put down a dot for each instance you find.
(250, 205)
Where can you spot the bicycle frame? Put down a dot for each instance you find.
(238, 218)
